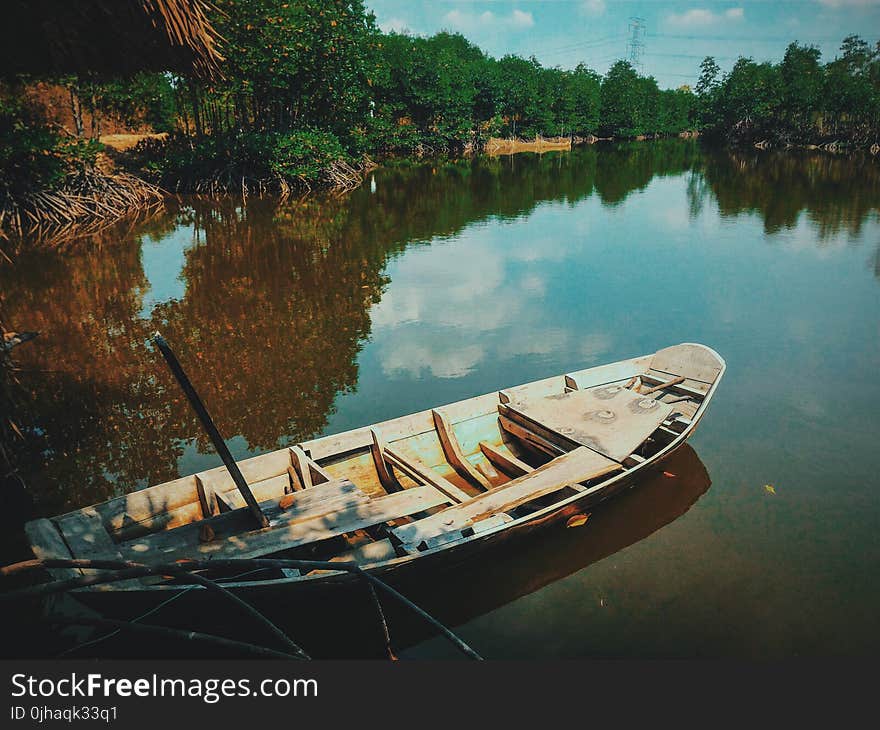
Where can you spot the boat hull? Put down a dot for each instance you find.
(422, 561)
(333, 617)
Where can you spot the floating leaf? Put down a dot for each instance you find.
(770, 489)
(577, 520)
(286, 502)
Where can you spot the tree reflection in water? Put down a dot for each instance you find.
(275, 304)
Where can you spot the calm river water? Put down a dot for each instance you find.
(441, 281)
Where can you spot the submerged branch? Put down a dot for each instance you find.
(168, 633)
(124, 570)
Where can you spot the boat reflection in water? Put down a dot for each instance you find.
(525, 566)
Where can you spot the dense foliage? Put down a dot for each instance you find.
(325, 65)
(229, 159)
(797, 100)
(309, 82)
(34, 156)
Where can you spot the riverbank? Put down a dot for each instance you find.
(747, 133)
(95, 185)
(85, 203)
(832, 145)
(133, 174)
(132, 182)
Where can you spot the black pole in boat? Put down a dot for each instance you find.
(210, 428)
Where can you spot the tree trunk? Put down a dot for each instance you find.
(96, 119)
(197, 120)
(76, 110)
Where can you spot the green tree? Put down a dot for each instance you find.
(291, 63)
(749, 96)
(583, 87)
(675, 110)
(802, 82)
(707, 93)
(622, 101)
(524, 100)
(147, 98)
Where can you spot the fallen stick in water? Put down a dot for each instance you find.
(122, 570)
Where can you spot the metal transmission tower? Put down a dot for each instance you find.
(636, 44)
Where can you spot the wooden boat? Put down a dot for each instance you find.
(416, 490)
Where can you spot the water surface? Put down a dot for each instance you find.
(442, 281)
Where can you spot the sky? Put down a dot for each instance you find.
(676, 35)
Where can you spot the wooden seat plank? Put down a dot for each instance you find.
(306, 503)
(529, 438)
(695, 388)
(580, 465)
(609, 420)
(291, 529)
(266, 490)
(418, 471)
(453, 453)
(507, 462)
(86, 536)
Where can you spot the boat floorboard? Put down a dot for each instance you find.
(291, 529)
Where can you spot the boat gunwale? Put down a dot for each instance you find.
(514, 526)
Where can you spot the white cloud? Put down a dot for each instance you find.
(533, 284)
(550, 342)
(848, 3)
(458, 20)
(445, 319)
(521, 19)
(593, 346)
(442, 360)
(394, 25)
(701, 17)
(465, 21)
(593, 7)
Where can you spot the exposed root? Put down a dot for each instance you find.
(341, 176)
(89, 201)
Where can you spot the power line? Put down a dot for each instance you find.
(585, 44)
(691, 55)
(743, 39)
